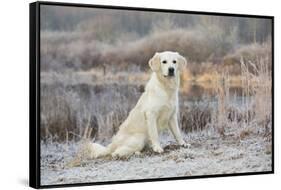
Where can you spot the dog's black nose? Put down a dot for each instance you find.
(171, 71)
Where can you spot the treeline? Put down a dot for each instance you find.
(105, 21)
(82, 38)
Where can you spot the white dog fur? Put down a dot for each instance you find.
(156, 109)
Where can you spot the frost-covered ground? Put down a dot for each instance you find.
(241, 150)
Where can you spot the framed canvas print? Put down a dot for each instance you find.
(122, 94)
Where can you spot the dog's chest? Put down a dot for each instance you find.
(165, 115)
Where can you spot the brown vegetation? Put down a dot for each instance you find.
(68, 110)
(93, 69)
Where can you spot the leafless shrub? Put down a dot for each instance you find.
(75, 50)
(195, 118)
(70, 111)
(250, 53)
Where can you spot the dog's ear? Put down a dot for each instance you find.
(154, 62)
(182, 62)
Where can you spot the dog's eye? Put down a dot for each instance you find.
(174, 61)
(164, 61)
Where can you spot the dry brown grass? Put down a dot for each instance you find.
(71, 112)
(255, 110)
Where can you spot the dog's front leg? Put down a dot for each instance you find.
(174, 127)
(152, 131)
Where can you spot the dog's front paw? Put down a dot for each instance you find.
(157, 148)
(185, 145)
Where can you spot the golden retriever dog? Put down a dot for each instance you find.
(156, 109)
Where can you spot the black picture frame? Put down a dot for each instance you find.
(34, 93)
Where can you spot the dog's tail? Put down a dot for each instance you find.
(99, 150)
(95, 150)
(88, 150)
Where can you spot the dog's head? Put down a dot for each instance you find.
(167, 63)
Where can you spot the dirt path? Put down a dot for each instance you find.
(209, 154)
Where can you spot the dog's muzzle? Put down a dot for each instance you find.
(171, 72)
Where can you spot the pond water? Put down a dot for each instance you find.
(200, 95)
